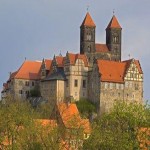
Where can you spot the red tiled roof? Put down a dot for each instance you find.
(29, 70)
(88, 21)
(48, 64)
(71, 117)
(46, 122)
(60, 61)
(113, 23)
(74, 57)
(68, 112)
(101, 48)
(111, 71)
(138, 66)
(86, 124)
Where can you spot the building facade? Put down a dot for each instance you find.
(97, 73)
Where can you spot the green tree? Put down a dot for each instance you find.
(119, 129)
(35, 92)
(14, 115)
(86, 108)
(21, 128)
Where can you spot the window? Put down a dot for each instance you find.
(84, 83)
(130, 85)
(88, 36)
(111, 85)
(126, 84)
(122, 86)
(75, 83)
(27, 93)
(89, 48)
(117, 85)
(32, 83)
(127, 95)
(27, 83)
(20, 91)
(133, 69)
(115, 39)
(106, 85)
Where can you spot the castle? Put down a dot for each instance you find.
(97, 73)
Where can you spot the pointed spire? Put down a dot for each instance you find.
(60, 53)
(88, 21)
(54, 56)
(113, 23)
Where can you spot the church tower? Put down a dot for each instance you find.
(87, 35)
(113, 38)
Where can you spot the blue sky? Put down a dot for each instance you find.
(38, 29)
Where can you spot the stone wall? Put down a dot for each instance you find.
(60, 90)
(94, 85)
(109, 93)
(130, 91)
(23, 87)
(49, 90)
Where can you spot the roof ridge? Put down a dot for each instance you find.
(19, 68)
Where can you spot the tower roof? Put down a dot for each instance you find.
(88, 21)
(113, 23)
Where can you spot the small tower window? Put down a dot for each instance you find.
(115, 39)
(89, 48)
(88, 36)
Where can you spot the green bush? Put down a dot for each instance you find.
(85, 107)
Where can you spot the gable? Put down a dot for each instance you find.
(134, 71)
(74, 57)
(79, 62)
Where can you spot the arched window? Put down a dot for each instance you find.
(88, 36)
(89, 48)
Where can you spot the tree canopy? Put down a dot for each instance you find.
(119, 128)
